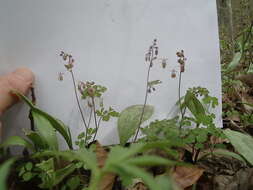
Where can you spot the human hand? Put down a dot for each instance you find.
(21, 80)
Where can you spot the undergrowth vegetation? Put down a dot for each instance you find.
(150, 155)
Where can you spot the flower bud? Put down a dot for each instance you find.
(173, 73)
(91, 91)
(164, 63)
(60, 76)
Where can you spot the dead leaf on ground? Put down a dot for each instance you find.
(217, 140)
(107, 181)
(186, 176)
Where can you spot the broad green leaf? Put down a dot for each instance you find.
(235, 62)
(55, 123)
(194, 105)
(4, 171)
(225, 153)
(242, 143)
(17, 141)
(129, 120)
(37, 140)
(45, 129)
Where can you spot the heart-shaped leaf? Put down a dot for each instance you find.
(129, 120)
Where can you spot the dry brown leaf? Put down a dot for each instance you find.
(186, 176)
(108, 180)
(217, 140)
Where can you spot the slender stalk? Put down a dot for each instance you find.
(145, 102)
(89, 117)
(32, 126)
(179, 99)
(95, 118)
(79, 105)
(99, 121)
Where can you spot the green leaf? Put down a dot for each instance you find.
(62, 173)
(73, 182)
(242, 143)
(165, 183)
(129, 120)
(17, 141)
(226, 153)
(29, 166)
(84, 155)
(46, 165)
(154, 82)
(51, 122)
(235, 62)
(149, 160)
(119, 154)
(37, 140)
(45, 129)
(194, 105)
(4, 171)
(27, 176)
(81, 135)
(139, 173)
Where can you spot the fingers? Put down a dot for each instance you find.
(21, 80)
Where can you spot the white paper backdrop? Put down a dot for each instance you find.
(108, 39)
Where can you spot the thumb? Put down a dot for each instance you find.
(21, 80)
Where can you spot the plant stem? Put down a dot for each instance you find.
(145, 102)
(179, 99)
(79, 105)
(95, 118)
(89, 117)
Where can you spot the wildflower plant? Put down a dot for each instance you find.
(92, 93)
(150, 58)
